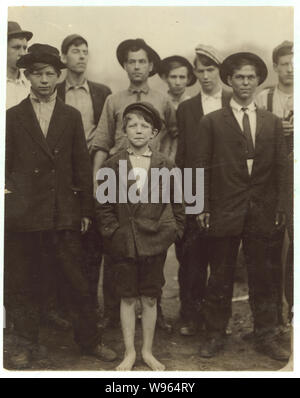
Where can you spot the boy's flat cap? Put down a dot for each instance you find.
(149, 109)
(41, 53)
(138, 43)
(69, 40)
(15, 30)
(164, 67)
(209, 52)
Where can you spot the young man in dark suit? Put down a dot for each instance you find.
(193, 251)
(242, 150)
(49, 205)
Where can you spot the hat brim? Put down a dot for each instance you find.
(29, 59)
(226, 66)
(23, 33)
(126, 44)
(153, 113)
(163, 67)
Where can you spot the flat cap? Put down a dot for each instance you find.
(15, 30)
(41, 53)
(164, 67)
(148, 109)
(69, 40)
(138, 43)
(284, 48)
(209, 52)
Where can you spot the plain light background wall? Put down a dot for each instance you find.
(169, 30)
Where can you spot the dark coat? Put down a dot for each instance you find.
(50, 178)
(230, 193)
(98, 91)
(145, 229)
(189, 114)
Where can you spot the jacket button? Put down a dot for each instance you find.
(52, 171)
(52, 189)
(56, 151)
(36, 171)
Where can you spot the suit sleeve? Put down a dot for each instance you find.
(180, 155)
(9, 151)
(281, 166)
(82, 170)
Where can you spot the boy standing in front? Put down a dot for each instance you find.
(139, 234)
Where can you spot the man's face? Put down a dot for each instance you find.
(244, 82)
(76, 58)
(138, 66)
(177, 80)
(138, 131)
(285, 69)
(43, 79)
(208, 76)
(16, 47)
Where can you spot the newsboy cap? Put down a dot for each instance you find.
(284, 48)
(41, 53)
(209, 52)
(148, 109)
(138, 43)
(164, 67)
(15, 30)
(69, 40)
(228, 64)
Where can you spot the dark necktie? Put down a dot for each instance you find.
(138, 95)
(247, 133)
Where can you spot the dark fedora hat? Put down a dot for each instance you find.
(164, 67)
(140, 44)
(227, 65)
(41, 53)
(14, 30)
(148, 109)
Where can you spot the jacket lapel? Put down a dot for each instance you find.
(259, 121)
(57, 124)
(95, 102)
(231, 120)
(61, 90)
(196, 108)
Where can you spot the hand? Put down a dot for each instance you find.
(203, 220)
(280, 220)
(288, 127)
(85, 223)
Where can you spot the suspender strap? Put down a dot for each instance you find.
(270, 99)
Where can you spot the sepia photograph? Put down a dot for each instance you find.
(148, 170)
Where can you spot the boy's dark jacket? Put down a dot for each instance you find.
(143, 229)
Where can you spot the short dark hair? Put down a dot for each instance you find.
(174, 65)
(281, 53)
(135, 48)
(139, 113)
(76, 42)
(238, 63)
(31, 69)
(206, 61)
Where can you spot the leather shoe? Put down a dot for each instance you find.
(211, 347)
(188, 329)
(103, 353)
(21, 360)
(273, 350)
(162, 324)
(55, 320)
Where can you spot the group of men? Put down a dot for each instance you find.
(53, 248)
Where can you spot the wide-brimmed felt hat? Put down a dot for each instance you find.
(163, 69)
(41, 53)
(139, 43)
(227, 64)
(149, 109)
(69, 40)
(15, 30)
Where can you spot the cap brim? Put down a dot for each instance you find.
(28, 35)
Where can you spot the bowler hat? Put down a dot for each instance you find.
(149, 109)
(227, 65)
(69, 40)
(141, 44)
(164, 68)
(14, 30)
(41, 53)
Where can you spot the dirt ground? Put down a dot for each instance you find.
(177, 352)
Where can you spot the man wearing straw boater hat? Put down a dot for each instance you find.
(244, 156)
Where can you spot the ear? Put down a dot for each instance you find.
(26, 74)
(150, 66)
(275, 67)
(64, 58)
(154, 133)
(229, 80)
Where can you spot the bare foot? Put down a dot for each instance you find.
(152, 362)
(128, 362)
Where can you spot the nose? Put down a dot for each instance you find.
(44, 79)
(177, 81)
(290, 67)
(22, 51)
(205, 75)
(245, 81)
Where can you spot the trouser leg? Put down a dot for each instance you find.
(110, 297)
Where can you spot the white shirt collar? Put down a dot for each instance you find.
(147, 152)
(217, 95)
(36, 99)
(82, 85)
(237, 107)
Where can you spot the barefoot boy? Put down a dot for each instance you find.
(139, 234)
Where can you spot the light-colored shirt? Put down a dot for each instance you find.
(282, 103)
(16, 90)
(239, 114)
(176, 101)
(109, 134)
(211, 103)
(80, 98)
(140, 161)
(43, 110)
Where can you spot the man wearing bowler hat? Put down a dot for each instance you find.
(192, 252)
(178, 73)
(140, 62)
(49, 204)
(17, 86)
(244, 156)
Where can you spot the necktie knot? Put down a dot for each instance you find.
(244, 109)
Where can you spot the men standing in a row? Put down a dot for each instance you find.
(193, 251)
(49, 204)
(17, 86)
(140, 62)
(243, 152)
(88, 98)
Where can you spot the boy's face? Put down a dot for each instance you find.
(76, 58)
(244, 82)
(43, 79)
(16, 47)
(138, 131)
(208, 76)
(177, 80)
(285, 69)
(138, 66)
